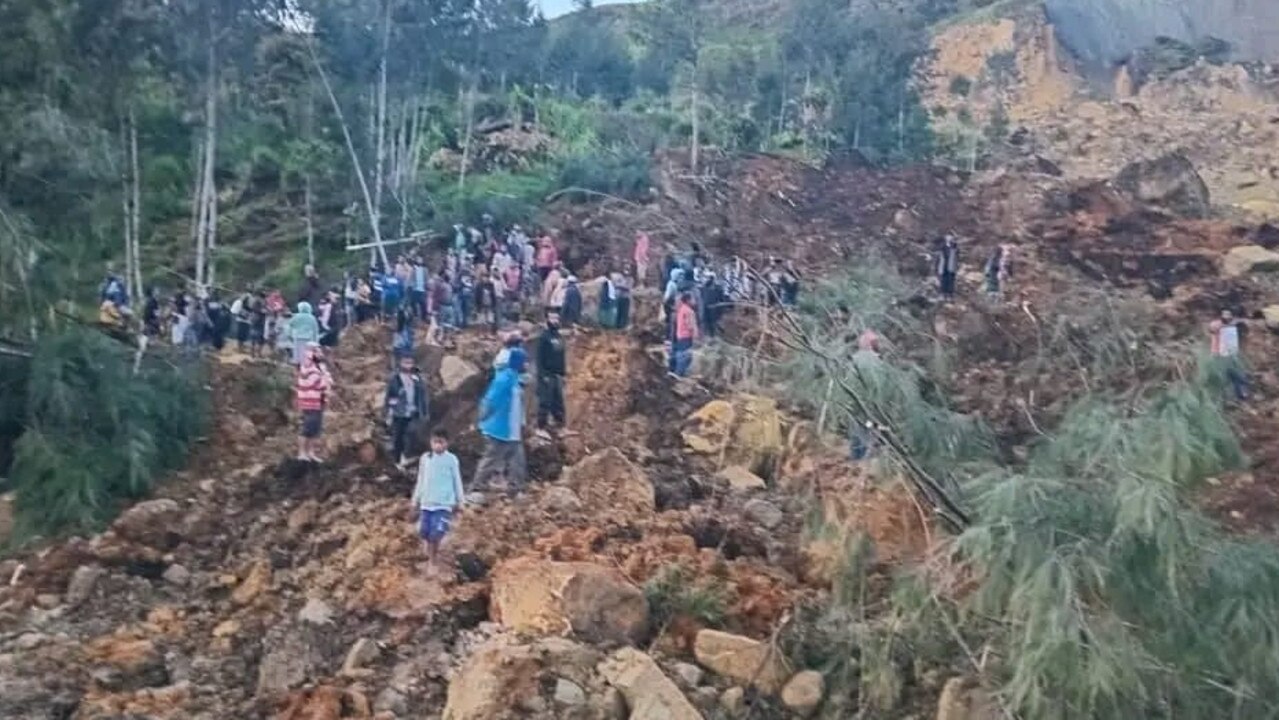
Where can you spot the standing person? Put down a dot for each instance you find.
(685, 334)
(571, 311)
(790, 285)
(437, 497)
(488, 294)
(608, 303)
(946, 265)
(406, 401)
(465, 296)
(377, 282)
(553, 290)
(257, 323)
(113, 288)
(552, 367)
(997, 270)
(712, 304)
(392, 295)
(402, 339)
(151, 313)
(330, 319)
(243, 323)
(1226, 341)
(861, 442)
(350, 297)
(501, 423)
(310, 292)
(312, 387)
(547, 257)
(418, 293)
(642, 247)
(365, 307)
(219, 319)
(304, 330)
(622, 287)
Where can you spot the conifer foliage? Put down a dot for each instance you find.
(97, 434)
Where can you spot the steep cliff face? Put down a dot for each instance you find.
(1015, 75)
(1107, 31)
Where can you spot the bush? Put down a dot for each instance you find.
(616, 172)
(97, 434)
(675, 591)
(508, 197)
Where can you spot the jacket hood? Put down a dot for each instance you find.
(304, 308)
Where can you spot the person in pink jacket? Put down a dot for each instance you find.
(641, 257)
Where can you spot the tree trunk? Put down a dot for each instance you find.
(206, 227)
(466, 139)
(350, 147)
(901, 125)
(697, 127)
(378, 178)
(126, 210)
(137, 200)
(310, 224)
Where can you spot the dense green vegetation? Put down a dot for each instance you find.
(228, 140)
(1085, 583)
(95, 433)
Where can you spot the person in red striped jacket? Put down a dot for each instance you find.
(313, 384)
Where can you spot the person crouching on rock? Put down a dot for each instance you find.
(438, 496)
(312, 387)
(501, 423)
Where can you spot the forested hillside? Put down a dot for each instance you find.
(231, 139)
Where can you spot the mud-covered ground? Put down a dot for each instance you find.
(256, 586)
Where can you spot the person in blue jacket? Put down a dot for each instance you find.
(502, 424)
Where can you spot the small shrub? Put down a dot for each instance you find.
(676, 592)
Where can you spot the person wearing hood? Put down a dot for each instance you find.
(552, 366)
(501, 423)
(571, 311)
(304, 330)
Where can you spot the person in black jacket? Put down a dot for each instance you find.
(406, 401)
(552, 366)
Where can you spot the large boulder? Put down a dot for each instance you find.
(648, 692)
(741, 659)
(1246, 259)
(506, 679)
(531, 595)
(743, 430)
(606, 479)
(1169, 182)
(150, 523)
(455, 372)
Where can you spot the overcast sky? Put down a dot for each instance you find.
(553, 8)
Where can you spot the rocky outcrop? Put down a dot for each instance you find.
(531, 595)
(150, 523)
(504, 679)
(741, 659)
(744, 430)
(607, 479)
(456, 372)
(1248, 259)
(1169, 182)
(649, 694)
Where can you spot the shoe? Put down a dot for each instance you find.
(543, 433)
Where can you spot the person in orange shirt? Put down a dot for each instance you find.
(684, 334)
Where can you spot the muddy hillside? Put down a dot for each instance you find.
(667, 548)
